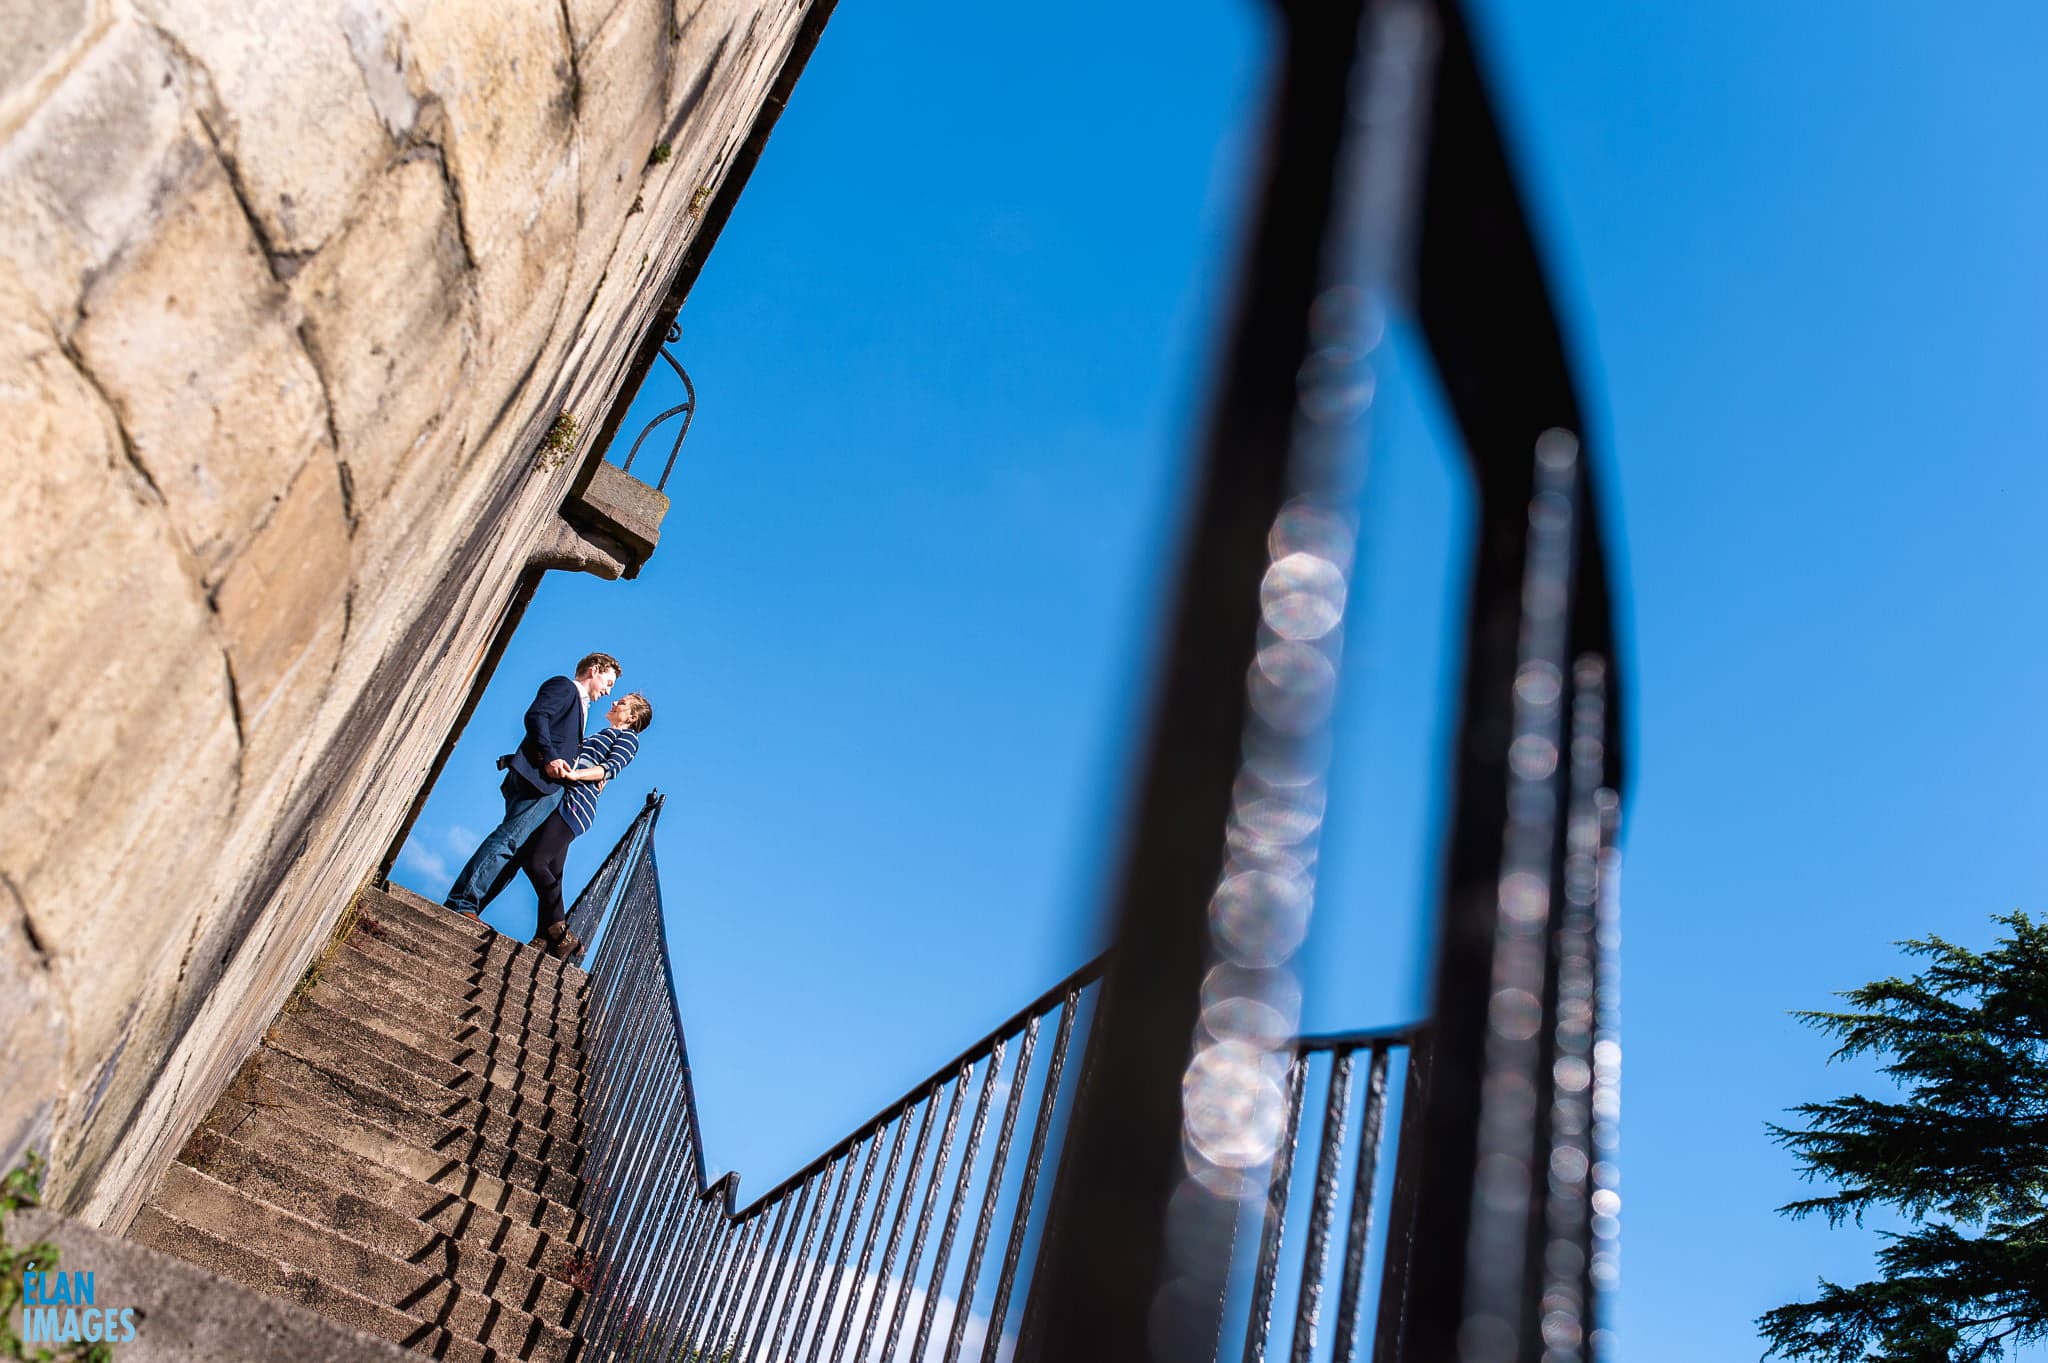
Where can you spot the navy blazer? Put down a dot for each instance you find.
(554, 728)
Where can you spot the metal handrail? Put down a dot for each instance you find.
(1039, 1008)
(687, 409)
(672, 1258)
(669, 1252)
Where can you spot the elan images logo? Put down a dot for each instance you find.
(61, 1307)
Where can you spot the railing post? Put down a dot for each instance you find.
(1158, 1154)
(1538, 600)
(1401, 1210)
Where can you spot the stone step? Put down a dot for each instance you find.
(323, 1105)
(483, 962)
(402, 906)
(357, 987)
(386, 1095)
(498, 986)
(418, 1290)
(512, 1093)
(500, 957)
(399, 991)
(230, 1259)
(523, 1124)
(466, 1045)
(464, 940)
(357, 1211)
(514, 1222)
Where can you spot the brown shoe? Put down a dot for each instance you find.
(557, 941)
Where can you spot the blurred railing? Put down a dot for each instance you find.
(682, 413)
(1385, 191)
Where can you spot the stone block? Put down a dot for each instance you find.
(620, 506)
(386, 304)
(197, 347)
(283, 593)
(624, 72)
(94, 167)
(288, 105)
(504, 82)
(586, 17)
(35, 42)
(427, 506)
(32, 1032)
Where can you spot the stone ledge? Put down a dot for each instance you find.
(183, 1312)
(615, 507)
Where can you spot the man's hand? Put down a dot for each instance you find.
(557, 769)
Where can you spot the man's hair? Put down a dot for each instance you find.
(639, 714)
(593, 661)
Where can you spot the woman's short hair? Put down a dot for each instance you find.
(639, 714)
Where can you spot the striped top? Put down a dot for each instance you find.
(611, 749)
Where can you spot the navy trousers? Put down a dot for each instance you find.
(545, 856)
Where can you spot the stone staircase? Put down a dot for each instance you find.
(402, 1151)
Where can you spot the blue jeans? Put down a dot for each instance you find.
(495, 862)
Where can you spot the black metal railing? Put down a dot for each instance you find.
(682, 413)
(831, 1257)
(911, 1238)
(679, 1272)
(1367, 1081)
(676, 1270)
(642, 1169)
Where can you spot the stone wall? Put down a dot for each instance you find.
(291, 293)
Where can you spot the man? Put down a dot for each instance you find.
(533, 777)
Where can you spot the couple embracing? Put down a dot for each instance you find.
(551, 787)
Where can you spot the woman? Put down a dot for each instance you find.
(603, 755)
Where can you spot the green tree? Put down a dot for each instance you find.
(1960, 1152)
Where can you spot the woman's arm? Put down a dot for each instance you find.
(609, 753)
(620, 754)
(586, 764)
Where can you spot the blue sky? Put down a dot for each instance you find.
(950, 351)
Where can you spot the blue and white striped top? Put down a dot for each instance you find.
(611, 749)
